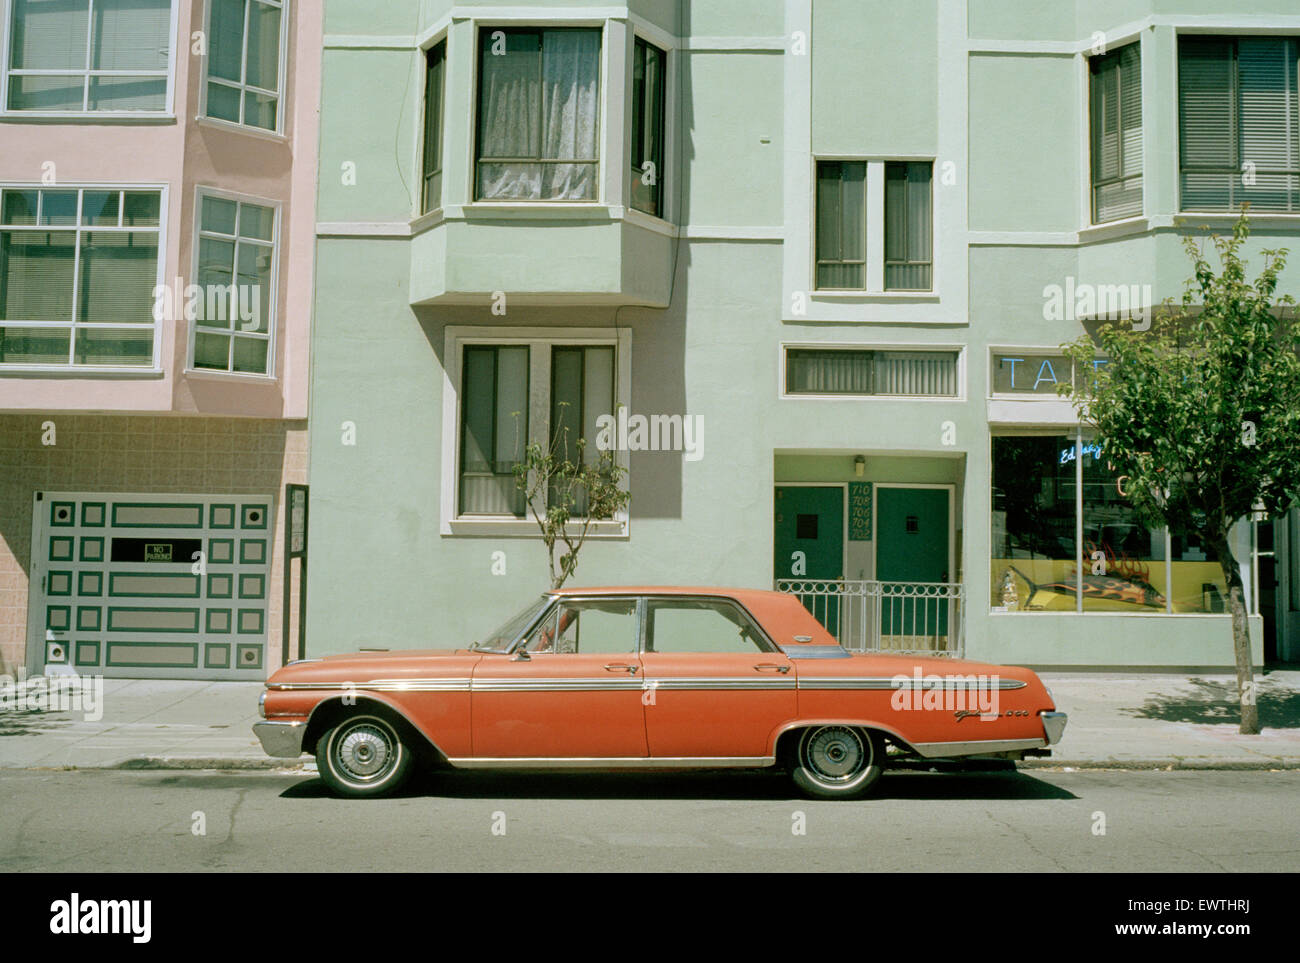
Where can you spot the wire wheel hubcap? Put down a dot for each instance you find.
(365, 752)
(836, 754)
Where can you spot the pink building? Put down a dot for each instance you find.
(157, 202)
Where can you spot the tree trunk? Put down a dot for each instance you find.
(1240, 635)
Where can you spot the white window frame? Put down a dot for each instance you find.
(875, 224)
(540, 341)
(165, 114)
(785, 347)
(93, 370)
(283, 67)
(541, 21)
(272, 323)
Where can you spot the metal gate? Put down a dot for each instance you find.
(150, 586)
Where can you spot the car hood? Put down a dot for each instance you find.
(361, 667)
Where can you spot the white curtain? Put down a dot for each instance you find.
(547, 110)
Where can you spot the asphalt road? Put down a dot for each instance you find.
(1044, 820)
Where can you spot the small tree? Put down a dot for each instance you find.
(1202, 412)
(566, 495)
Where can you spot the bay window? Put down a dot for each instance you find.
(1115, 97)
(244, 68)
(1239, 123)
(648, 78)
(78, 271)
(431, 156)
(89, 56)
(538, 114)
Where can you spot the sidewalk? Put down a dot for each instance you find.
(1117, 720)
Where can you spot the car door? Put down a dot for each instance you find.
(715, 685)
(572, 691)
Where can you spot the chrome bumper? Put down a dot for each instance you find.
(1054, 726)
(280, 738)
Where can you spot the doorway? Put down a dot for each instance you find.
(808, 541)
(914, 543)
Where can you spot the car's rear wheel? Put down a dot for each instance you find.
(838, 762)
(363, 756)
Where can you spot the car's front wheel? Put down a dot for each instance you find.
(363, 756)
(838, 762)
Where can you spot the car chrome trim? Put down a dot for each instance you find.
(281, 739)
(941, 750)
(682, 682)
(815, 652)
(616, 762)
(1054, 725)
(613, 683)
(911, 682)
(557, 685)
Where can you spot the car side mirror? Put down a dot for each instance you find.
(522, 655)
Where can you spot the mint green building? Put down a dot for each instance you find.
(817, 257)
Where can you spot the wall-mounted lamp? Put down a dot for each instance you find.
(860, 465)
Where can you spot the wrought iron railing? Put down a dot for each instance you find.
(924, 618)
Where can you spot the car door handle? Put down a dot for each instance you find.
(769, 666)
(621, 667)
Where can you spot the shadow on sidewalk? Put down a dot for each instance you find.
(1216, 702)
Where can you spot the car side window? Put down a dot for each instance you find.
(604, 627)
(692, 626)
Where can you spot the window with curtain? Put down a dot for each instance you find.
(493, 428)
(1115, 93)
(236, 249)
(1239, 123)
(582, 389)
(89, 55)
(78, 268)
(841, 225)
(243, 81)
(431, 162)
(907, 226)
(538, 114)
(843, 371)
(647, 174)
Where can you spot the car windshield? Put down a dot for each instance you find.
(499, 641)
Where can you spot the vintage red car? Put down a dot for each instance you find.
(651, 678)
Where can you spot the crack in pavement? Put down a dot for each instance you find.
(1028, 842)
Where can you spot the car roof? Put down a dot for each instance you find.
(782, 615)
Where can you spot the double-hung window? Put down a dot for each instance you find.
(78, 276)
(907, 226)
(538, 114)
(493, 428)
(844, 233)
(245, 63)
(88, 55)
(499, 407)
(236, 271)
(1115, 94)
(431, 159)
(648, 78)
(1239, 123)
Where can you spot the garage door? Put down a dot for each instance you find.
(151, 586)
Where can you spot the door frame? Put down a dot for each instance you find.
(952, 523)
(844, 517)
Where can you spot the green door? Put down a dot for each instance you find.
(809, 541)
(912, 546)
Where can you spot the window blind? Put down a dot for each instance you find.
(841, 371)
(1239, 123)
(1116, 94)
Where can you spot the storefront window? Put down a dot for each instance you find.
(1033, 552)
(1197, 583)
(1123, 560)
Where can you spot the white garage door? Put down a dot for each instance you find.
(150, 586)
